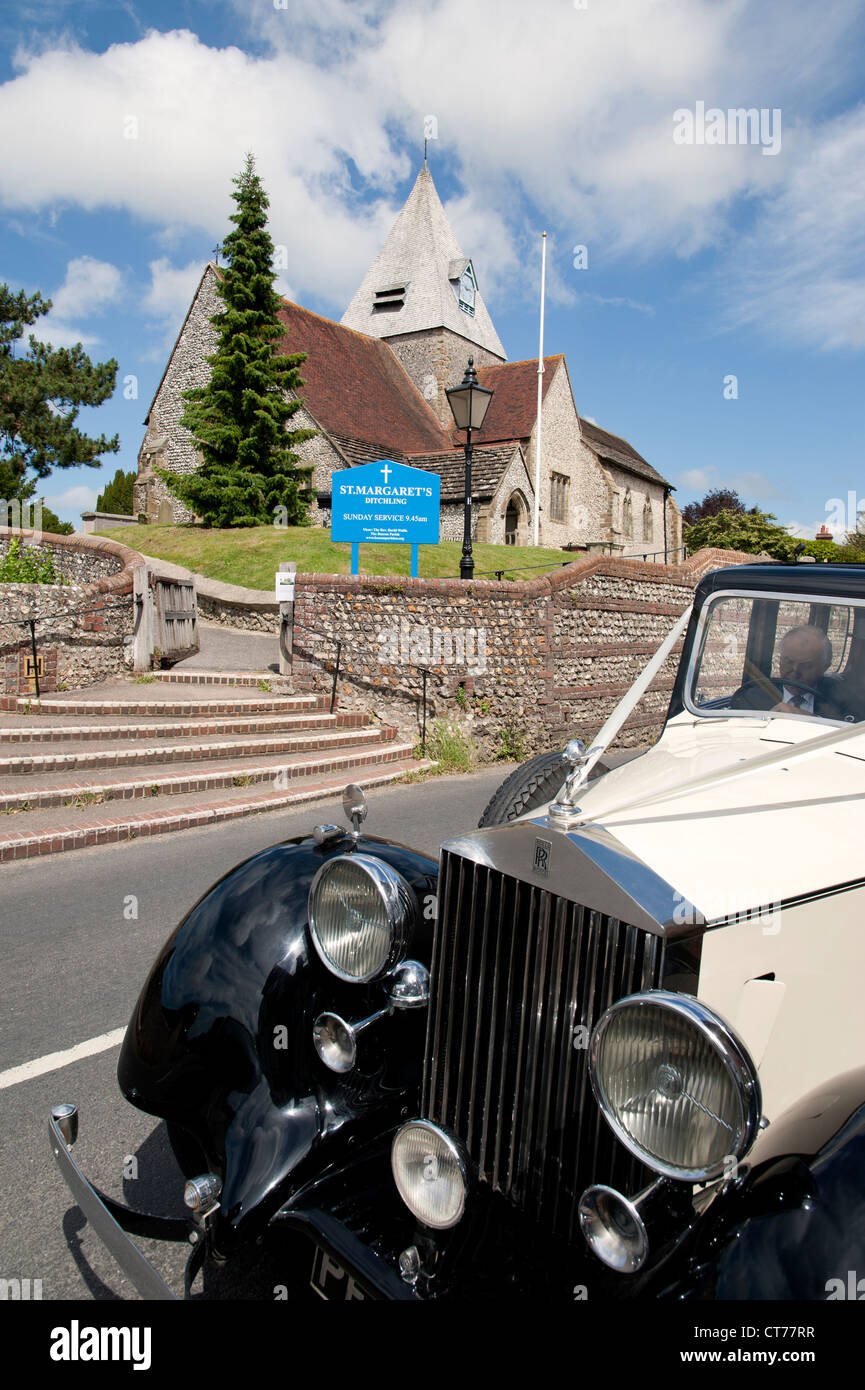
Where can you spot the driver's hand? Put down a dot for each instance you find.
(784, 708)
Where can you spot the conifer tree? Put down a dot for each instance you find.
(118, 495)
(248, 470)
(42, 390)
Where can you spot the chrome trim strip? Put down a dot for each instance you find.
(134, 1265)
(745, 914)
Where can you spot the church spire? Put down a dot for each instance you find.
(421, 281)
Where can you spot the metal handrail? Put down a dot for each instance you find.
(339, 643)
(44, 617)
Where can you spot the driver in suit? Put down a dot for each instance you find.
(805, 656)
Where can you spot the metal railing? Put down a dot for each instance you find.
(46, 617)
(339, 643)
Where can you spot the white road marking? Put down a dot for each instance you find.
(53, 1061)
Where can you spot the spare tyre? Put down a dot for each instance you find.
(531, 785)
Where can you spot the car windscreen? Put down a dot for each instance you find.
(788, 655)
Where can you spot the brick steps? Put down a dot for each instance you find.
(168, 704)
(43, 785)
(25, 733)
(111, 826)
(240, 678)
(70, 766)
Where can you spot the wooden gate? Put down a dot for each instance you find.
(166, 619)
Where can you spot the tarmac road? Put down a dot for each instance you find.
(79, 933)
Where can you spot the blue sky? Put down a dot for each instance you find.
(123, 125)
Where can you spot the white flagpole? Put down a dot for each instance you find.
(536, 527)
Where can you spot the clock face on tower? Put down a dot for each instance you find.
(467, 290)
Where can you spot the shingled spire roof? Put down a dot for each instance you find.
(413, 283)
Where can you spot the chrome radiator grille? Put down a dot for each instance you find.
(517, 977)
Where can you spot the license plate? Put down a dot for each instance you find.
(332, 1281)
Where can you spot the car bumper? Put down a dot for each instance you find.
(109, 1219)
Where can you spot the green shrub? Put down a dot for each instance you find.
(511, 747)
(28, 565)
(450, 748)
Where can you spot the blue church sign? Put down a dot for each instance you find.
(385, 502)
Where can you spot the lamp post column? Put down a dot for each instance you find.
(467, 564)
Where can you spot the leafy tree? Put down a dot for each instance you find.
(41, 394)
(832, 552)
(752, 532)
(856, 539)
(117, 496)
(52, 523)
(239, 418)
(720, 499)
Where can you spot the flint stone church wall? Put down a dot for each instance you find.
(545, 660)
(94, 641)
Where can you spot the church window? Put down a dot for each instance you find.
(627, 515)
(559, 497)
(389, 301)
(648, 522)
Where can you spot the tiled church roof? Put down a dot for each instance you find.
(619, 451)
(513, 409)
(488, 466)
(357, 389)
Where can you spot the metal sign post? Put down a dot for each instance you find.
(285, 598)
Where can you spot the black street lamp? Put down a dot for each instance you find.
(468, 403)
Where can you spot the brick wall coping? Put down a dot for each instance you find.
(119, 583)
(686, 574)
(263, 600)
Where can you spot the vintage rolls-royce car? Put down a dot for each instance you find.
(611, 1045)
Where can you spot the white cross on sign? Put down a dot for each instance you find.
(387, 470)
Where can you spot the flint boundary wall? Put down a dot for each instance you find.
(545, 660)
(84, 647)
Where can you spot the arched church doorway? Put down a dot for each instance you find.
(516, 520)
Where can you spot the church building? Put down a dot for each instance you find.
(374, 387)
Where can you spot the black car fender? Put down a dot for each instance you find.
(220, 1042)
(793, 1225)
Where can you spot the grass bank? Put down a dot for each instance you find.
(251, 555)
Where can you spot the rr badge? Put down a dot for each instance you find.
(543, 851)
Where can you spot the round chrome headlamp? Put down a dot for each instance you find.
(361, 912)
(675, 1084)
(431, 1173)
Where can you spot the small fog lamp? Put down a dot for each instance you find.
(431, 1173)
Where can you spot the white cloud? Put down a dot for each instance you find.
(620, 302)
(808, 530)
(90, 287)
(751, 487)
(168, 298)
(698, 479)
(565, 117)
(755, 486)
(74, 499)
(801, 273)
